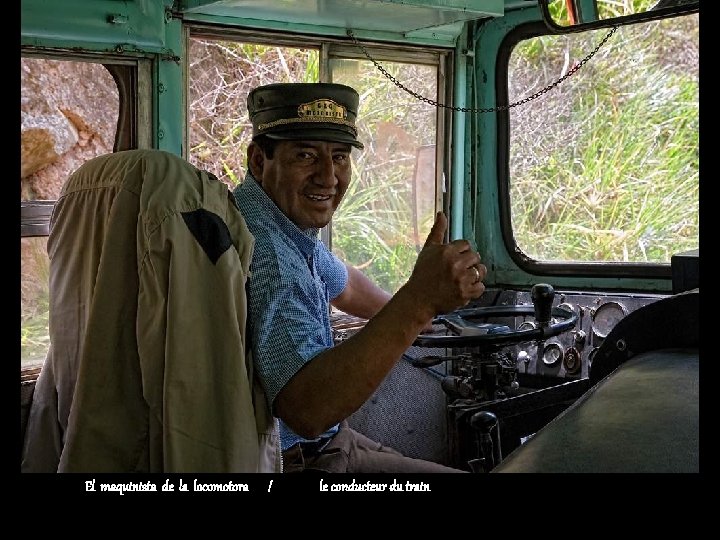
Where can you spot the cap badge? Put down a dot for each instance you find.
(322, 108)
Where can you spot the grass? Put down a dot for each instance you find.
(624, 185)
(35, 302)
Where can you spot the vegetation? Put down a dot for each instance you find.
(612, 174)
(381, 225)
(35, 304)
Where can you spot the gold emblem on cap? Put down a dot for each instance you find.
(322, 108)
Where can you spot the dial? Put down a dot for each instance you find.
(552, 354)
(606, 317)
(572, 361)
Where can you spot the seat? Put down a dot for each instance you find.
(148, 369)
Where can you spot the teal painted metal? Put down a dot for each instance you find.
(483, 219)
(100, 25)
(423, 19)
(480, 6)
(459, 168)
(436, 37)
(170, 118)
(138, 25)
(588, 11)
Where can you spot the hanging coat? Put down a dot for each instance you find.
(148, 368)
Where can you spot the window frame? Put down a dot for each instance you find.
(575, 269)
(133, 78)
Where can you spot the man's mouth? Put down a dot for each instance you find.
(318, 198)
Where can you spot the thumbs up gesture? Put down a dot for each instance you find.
(446, 276)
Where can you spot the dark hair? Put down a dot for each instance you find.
(267, 145)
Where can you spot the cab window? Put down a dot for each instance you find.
(605, 166)
(69, 114)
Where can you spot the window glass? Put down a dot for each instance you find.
(221, 75)
(604, 167)
(389, 208)
(34, 306)
(69, 114)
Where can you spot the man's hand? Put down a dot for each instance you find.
(446, 276)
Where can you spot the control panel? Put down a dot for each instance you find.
(570, 354)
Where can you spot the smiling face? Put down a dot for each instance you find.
(306, 179)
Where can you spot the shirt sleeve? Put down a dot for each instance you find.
(333, 271)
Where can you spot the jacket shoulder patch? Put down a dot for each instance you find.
(210, 231)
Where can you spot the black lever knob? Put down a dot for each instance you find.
(484, 422)
(542, 296)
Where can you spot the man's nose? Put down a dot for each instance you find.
(325, 173)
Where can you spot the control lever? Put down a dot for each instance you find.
(484, 422)
(542, 296)
(461, 327)
(432, 360)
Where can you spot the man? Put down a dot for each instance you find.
(299, 169)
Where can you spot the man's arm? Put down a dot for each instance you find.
(361, 297)
(339, 380)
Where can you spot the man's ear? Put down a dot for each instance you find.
(256, 160)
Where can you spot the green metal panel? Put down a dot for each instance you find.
(171, 88)
(587, 10)
(460, 168)
(441, 36)
(138, 25)
(412, 18)
(100, 25)
(460, 5)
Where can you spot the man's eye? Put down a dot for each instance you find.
(341, 158)
(306, 155)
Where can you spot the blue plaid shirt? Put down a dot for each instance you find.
(293, 277)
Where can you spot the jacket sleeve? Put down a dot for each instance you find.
(191, 337)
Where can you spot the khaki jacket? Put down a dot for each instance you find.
(149, 369)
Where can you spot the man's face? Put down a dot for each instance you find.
(306, 179)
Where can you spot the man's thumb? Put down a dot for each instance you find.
(437, 233)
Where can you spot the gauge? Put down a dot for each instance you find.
(527, 325)
(606, 317)
(552, 354)
(572, 361)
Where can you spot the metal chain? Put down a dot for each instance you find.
(481, 110)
